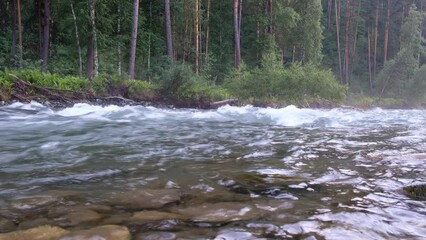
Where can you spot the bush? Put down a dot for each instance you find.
(114, 85)
(141, 90)
(6, 81)
(38, 78)
(298, 83)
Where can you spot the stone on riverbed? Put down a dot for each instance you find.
(34, 223)
(58, 211)
(416, 191)
(107, 232)
(6, 225)
(79, 218)
(146, 199)
(219, 212)
(154, 216)
(33, 203)
(156, 236)
(38, 233)
(40, 202)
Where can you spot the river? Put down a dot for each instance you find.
(240, 172)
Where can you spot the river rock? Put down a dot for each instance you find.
(117, 219)
(416, 191)
(156, 236)
(146, 199)
(34, 223)
(154, 216)
(219, 194)
(79, 218)
(33, 203)
(231, 234)
(6, 225)
(66, 195)
(107, 232)
(219, 212)
(58, 211)
(38, 233)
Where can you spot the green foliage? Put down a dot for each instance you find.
(106, 84)
(38, 78)
(397, 78)
(292, 85)
(6, 81)
(141, 90)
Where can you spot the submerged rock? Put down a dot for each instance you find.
(416, 191)
(156, 236)
(153, 216)
(38, 233)
(58, 211)
(107, 232)
(231, 234)
(79, 218)
(6, 225)
(219, 212)
(34, 223)
(260, 183)
(42, 201)
(146, 199)
(33, 203)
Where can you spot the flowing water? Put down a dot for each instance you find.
(303, 173)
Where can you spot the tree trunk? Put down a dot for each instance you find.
(46, 36)
(329, 12)
(385, 48)
(92, 50)
(240, 14)
(21, 55)
(77, 38)
(337, 6)
(90, 59)
(13, 47)
(149, 42)
(376, 36)
(269, 12)
(347, 41)
(208, 31)
(119, 58)
(237, 36)
(134, 39)
(196, 37)
(168, 29)
(369, 61)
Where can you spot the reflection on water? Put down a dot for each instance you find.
(241, 172)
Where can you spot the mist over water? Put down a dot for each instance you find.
(347, 167)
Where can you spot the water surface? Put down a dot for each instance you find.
(339, 172)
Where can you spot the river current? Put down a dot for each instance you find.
(301, 173)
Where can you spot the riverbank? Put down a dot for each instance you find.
(61, 92)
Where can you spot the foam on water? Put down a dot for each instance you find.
(290, 116)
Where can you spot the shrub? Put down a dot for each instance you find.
(298, 83)
(141, 90)
(38, 78)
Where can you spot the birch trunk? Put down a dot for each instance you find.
(77, 38)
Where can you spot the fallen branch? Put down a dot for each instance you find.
(118, 98)
(224, 102)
